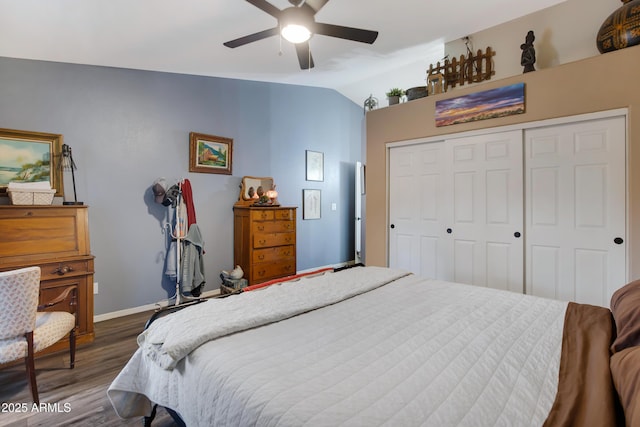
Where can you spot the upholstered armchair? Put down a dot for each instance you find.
(24, 328)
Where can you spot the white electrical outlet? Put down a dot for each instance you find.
(334, 206)
(95, 288)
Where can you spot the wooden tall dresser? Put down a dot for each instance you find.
(265, 242)
(55, 238)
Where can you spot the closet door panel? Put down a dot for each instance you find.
(467, 265)
(498, 267)
(543, 271)
(576, 194)
(487, 210)
(417, 205)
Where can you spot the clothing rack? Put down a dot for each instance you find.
(176, 234)
(178, 231)
(185, 246)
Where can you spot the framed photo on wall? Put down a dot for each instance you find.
(311, 204)
(30, 157)
(314, 165)
(210, 153)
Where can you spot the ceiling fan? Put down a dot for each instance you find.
(297, 24)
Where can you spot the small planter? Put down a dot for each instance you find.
(416, 92)
(394, 95)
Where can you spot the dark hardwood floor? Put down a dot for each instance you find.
(77, 397)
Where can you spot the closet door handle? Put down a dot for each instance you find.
(517, 234)
(449, 231)
(618, 241)
(392, 226)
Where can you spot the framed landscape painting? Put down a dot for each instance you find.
(210, 153)
(30, 157)
(488, 104)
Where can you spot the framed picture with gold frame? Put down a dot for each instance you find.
(210, 153)
(30, 157)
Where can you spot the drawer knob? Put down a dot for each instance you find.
(262, 242)
(260, 257)
(62, 270)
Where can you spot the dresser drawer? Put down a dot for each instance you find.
(265, 271)
(273, 254)
(267, 240)
(273, 226)
(57, 270)
(261, 215)
(285, 214)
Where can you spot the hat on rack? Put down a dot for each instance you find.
(159, 189)
(171, 196)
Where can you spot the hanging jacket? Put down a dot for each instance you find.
(192, 267)
(187, 196)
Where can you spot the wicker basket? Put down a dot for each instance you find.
(34, 197)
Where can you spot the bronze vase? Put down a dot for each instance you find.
(621, 29)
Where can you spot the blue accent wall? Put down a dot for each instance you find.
(129, 127)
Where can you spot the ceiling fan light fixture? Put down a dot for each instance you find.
(295, 33)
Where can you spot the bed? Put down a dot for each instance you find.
(376, 346)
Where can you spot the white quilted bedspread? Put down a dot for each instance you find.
(413, 352)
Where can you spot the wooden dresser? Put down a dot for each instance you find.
(56, 238)
(265, 242)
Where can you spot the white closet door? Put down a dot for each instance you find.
(575, 186)
(485, 243)
(416, 199)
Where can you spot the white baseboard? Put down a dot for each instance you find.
(149, 307)
(164, 303)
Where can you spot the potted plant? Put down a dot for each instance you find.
(394, 95)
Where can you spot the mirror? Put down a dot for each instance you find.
(251, 188)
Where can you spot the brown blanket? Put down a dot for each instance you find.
(586, 395)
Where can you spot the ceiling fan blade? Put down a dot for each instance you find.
(304, 56)
(252, 38)
(316, 5)
(266, 7)
(349, 33)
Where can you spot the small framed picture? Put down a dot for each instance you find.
(210, 153)
(310, 204)
(315, 165)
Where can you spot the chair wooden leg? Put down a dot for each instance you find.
(31, 370)
(72, 347)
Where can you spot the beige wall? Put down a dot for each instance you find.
(564, 33)
(599, 83)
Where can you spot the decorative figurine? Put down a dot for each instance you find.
(370, 103)
(234, 274)
(528, 58)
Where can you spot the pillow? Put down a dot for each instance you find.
(625, 370)
(625, 306)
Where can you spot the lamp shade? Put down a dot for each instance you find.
(296, 33)
(296, 24)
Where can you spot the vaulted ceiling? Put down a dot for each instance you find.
(186, 36)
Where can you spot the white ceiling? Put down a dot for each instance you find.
(186, 36)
